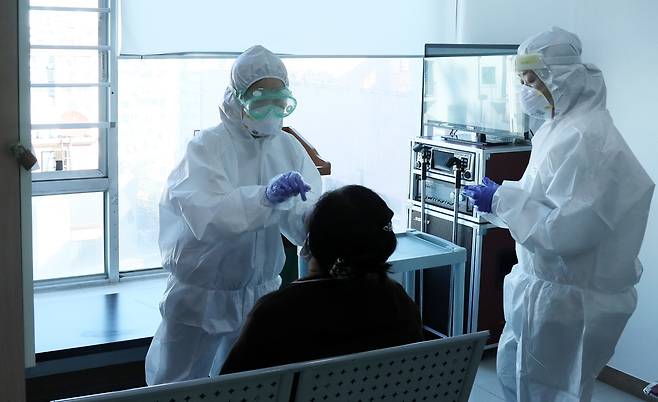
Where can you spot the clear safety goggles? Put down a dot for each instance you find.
(534, 62)
(260, 103)
(541, 75)
(537, 61)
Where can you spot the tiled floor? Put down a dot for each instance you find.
(487, 389)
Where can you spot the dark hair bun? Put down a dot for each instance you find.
(352, 224)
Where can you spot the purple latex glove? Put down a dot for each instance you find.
(482, 194)
(651, 390)
(286, 185)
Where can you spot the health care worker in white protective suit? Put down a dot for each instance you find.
(239, 186)
(578, 216)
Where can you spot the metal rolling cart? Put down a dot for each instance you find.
(417, 251)
(490, 249)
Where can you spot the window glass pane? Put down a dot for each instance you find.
(65, 3)
(79, 28)
(71, 149)
(64, 66)
(367, 141)
(169, 92)
(64, 105)
(162, 102)
(67, 235)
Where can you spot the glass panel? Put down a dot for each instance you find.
(65, 3)
(472, 91)
(169, 91)
(70, 149)
(68, 235)
(64, 105)
(78, 28)
(162, 102)
(367, 142)
(64, 66)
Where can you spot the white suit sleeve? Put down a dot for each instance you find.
(292, 222)
(200, 191)
(561, 211)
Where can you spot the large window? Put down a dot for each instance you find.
(71, 91)
(107, 132)
(360, 113)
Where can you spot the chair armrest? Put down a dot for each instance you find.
(324, 166)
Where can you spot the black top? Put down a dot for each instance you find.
(323, 317)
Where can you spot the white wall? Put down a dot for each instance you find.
(509, 21)
(621, 37)
(300, 27)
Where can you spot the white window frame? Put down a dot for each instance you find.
(104, 179)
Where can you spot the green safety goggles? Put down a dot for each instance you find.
(260, 103)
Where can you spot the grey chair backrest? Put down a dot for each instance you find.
(259, 385)
(441, 370)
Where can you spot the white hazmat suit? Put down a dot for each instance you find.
(220, 238)
(578, 216)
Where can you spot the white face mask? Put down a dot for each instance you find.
(263, 128)
(534, 103)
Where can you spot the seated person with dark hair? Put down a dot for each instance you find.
(347, 304)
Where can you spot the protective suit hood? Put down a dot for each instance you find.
(256, 63)
(572, 84)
